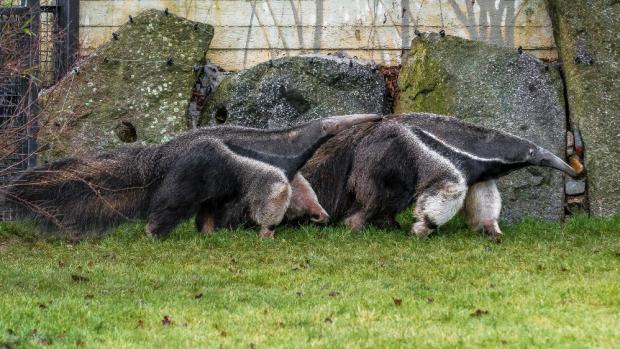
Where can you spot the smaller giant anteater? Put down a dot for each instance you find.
(170, 182)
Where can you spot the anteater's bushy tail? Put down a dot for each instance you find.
(82, 194)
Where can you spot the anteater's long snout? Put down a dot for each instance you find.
(335, 124)
(548, 159)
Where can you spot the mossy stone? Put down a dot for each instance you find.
(290, 90)
(495, 87)
(588, 37)
(127, 85)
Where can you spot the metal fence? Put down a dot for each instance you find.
(38, 44)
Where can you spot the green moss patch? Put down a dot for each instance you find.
(129, 80)
(586, 33)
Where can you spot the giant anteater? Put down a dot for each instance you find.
(170, 182)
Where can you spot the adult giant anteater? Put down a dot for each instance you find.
(170, 182)
(372, 171)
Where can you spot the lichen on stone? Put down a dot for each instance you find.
(129, 80)
(286, 91)
(423, 85)
(586, 33)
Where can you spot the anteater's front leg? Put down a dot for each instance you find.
(482, 208)
(269, 205)
(437, 205)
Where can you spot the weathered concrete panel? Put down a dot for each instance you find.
(250, 32)
(231, 13)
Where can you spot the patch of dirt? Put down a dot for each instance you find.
(479, 312)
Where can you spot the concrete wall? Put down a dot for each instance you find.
(249, 32)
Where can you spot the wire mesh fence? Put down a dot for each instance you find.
(48, 32)
(37, 45)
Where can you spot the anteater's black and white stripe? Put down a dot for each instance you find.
(370, 173)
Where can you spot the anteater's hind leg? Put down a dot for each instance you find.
(437, 205)
(482, 208)
(356, 220)
(385, 192)
(386, 221)
(383, 177)
(206, 172)
(378, 202)
(206, 219)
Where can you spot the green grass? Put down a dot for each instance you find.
(547, 285)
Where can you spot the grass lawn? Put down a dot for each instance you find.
(547, 285)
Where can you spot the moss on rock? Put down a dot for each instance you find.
(587, 35)
(127, 83)
(290, 90)
(423, 86)
(494, 87)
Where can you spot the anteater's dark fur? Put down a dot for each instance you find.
(373, 171)
(170, 182)
(92, 193)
